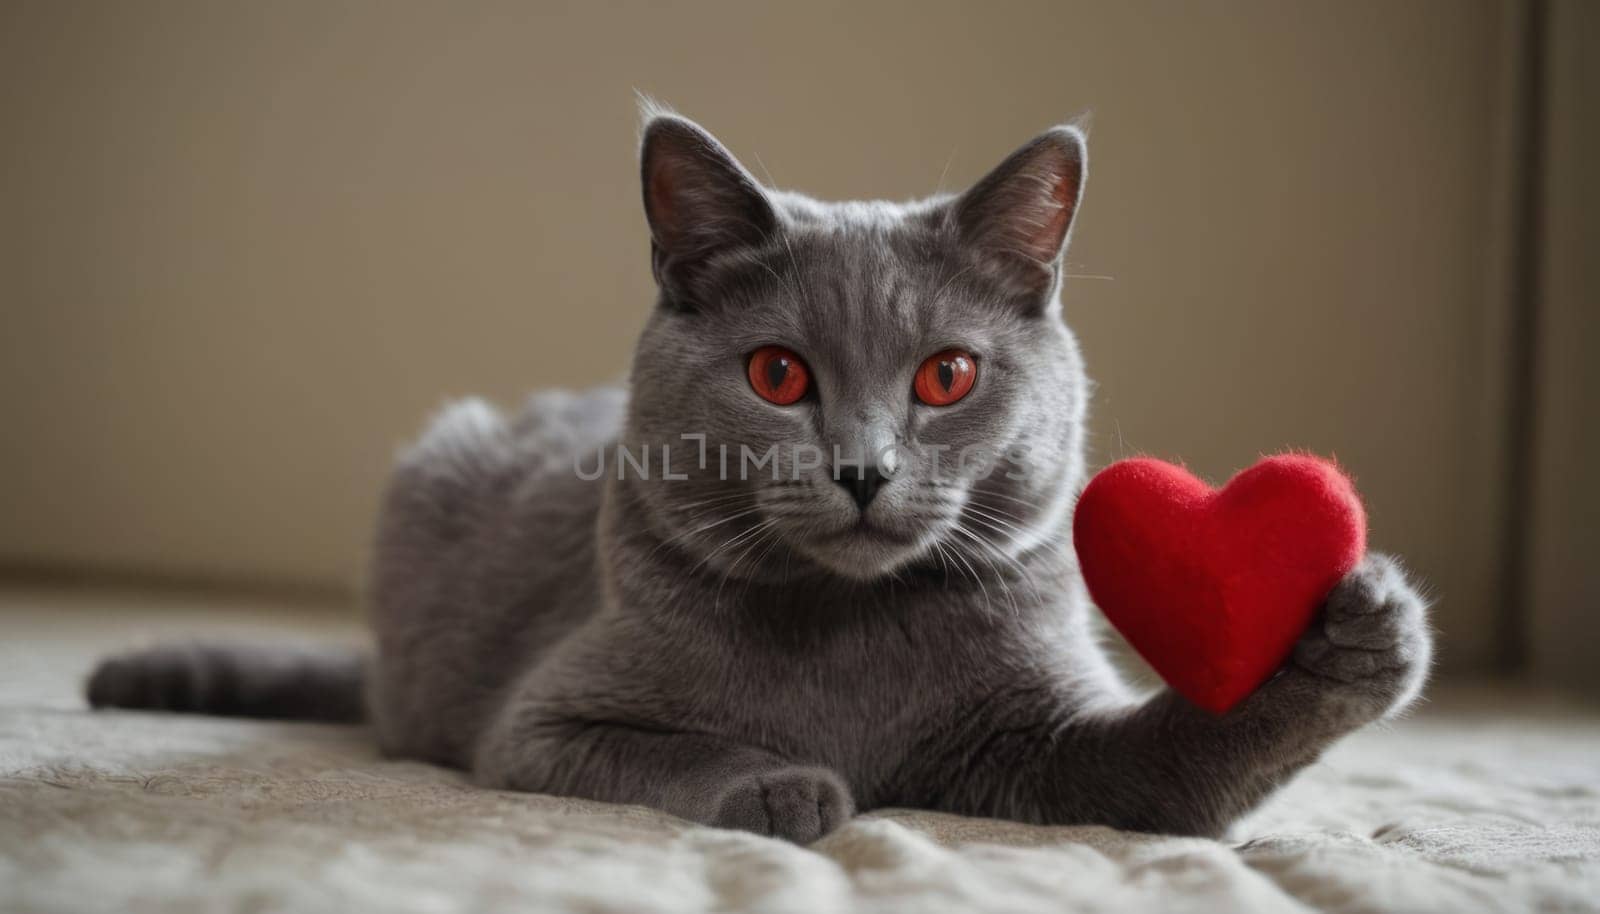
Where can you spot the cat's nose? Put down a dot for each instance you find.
(861, 482)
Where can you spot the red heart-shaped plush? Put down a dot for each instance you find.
(1214, 586)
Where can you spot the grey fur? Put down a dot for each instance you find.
(763, 654)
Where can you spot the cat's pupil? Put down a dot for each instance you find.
(776, 370)
(947, 374)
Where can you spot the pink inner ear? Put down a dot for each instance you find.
(1063, 191)
(661, 199)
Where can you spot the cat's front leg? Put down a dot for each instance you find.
(798, 803)
(1367, 655)
(1049, 754)
(696, 776)
(1364, 657)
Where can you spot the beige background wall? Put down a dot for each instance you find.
(247, 246)
(1563, 583)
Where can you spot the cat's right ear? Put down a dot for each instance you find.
(700, 203)
(1017, 220)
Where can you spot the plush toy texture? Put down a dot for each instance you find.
(1213, 587)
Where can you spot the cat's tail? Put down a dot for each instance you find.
(284, 683)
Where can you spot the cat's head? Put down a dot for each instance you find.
(921, 344)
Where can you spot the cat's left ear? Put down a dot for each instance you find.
(1016, 221)
(700, 202)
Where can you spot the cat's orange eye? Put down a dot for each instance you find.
(946, 377)
(778, 375)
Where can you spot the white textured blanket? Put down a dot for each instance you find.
(1484, 801)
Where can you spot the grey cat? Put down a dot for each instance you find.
(774, 649)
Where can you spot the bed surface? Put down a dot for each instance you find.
(1486, 799)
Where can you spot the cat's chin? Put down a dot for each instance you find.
(862, 554)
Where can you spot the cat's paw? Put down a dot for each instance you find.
(796, 804)
(1370, 647)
